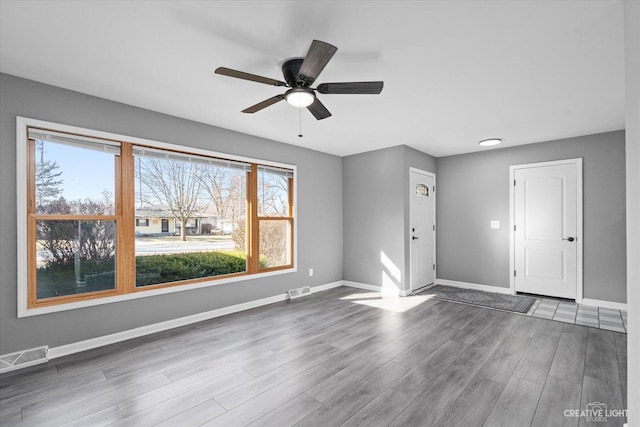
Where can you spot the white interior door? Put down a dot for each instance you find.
(422, 234)
(546, 230)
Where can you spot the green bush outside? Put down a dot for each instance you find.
(154, 269)
(57, 280)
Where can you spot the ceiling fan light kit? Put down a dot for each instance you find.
(300, 97)
(299, 74)
(489, 142)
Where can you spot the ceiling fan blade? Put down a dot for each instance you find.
(247, 76)
(318, 110)
(264, 104)
(372, 88)
(317, 58)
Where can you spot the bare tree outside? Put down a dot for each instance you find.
(174, 184)
(48, 181)
(273, 194)
(225, 188)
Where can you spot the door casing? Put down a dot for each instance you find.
(579, 231)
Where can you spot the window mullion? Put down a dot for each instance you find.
(253, 255)
(63, 217)
(125, 243)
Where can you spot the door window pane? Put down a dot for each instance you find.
(74, 257)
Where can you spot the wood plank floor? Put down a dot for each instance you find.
(340, 357)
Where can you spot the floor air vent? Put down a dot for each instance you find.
(300, 292)
(22, 359)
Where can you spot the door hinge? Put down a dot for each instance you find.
(514, 182)
(434, 266)
(434, 228)
(514, 227)
(514, 273)
(434, 188)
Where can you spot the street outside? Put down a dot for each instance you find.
(173, 244)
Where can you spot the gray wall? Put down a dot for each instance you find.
(376, 215)
(365, 195)
(319, 215)
(632, 124)
(474, 189)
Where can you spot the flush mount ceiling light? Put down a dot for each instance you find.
(489, 142)
(300, 97)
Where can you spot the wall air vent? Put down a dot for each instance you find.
(300, 292)
(22, 359)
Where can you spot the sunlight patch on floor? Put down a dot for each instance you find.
(387, 302)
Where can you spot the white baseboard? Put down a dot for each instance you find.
(327, 286)
(64, 350)
(376, 288)
(373, 288)
(475, 286)
(605, 304)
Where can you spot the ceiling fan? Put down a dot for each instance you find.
(299, 74)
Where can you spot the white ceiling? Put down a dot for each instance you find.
(455, 72)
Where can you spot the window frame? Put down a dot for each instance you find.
(256, 219)
(33, 217)
(126, 216)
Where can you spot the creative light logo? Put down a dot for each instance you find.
(597, 412)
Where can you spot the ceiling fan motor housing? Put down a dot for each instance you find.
(291, 72)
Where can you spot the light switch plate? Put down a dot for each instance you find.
(495, 224)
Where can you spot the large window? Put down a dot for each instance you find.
(108, 217)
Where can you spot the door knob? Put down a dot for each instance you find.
(571, 239)
(414, 238)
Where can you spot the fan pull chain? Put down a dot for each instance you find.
(300, 128)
